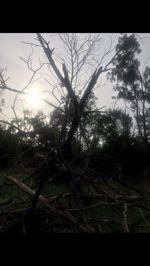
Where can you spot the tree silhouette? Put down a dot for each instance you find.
(133, 85)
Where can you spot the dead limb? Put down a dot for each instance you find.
(125, 223)
(66, 216)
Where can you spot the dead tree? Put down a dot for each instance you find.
(69, 82)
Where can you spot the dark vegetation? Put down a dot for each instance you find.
(82, 169)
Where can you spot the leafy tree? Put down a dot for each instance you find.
(9, 148)
(113, 124)
(34, 130)
(133, 86)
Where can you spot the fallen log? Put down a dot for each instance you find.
(66, 216)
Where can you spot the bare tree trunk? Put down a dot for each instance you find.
(67, 84)
(79, 110)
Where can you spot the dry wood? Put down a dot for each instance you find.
(125, 223)
(67, 217)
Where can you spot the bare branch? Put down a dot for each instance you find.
(32, 44)
(143, 217)
(12, 125)
(53, 105)
(125, 224)
(64, 214)
(48, 53)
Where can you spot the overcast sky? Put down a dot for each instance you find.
(11, 48)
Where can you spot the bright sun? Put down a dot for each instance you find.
(33, 99)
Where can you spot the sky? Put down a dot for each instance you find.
(12, 48)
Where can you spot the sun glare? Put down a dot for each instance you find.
(33, 99)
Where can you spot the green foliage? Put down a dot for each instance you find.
(126, 64)
(132, 85)
(126, 67)
(113, 124)
(9, 148)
